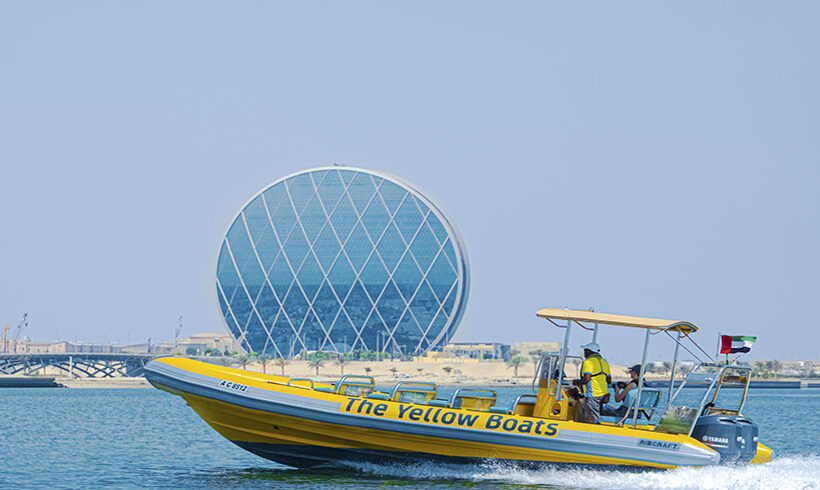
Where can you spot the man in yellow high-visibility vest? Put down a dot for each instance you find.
(595, 378)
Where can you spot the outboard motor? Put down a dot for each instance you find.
(748, 438)
(719, 432)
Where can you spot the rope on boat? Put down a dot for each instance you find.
(686, 349)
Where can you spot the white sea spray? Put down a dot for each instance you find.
(786, 473)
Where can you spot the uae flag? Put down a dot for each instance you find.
(738, 343)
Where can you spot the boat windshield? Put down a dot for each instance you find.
(549, 370)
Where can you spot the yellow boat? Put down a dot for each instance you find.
(302, 423)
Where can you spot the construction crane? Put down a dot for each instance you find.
(5, 339)
(20, 326)
(176, 332)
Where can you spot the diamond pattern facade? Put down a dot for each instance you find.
(341, 259)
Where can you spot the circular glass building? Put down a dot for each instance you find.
(341, 259)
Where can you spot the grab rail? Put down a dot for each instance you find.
(519, 398)
(370, 380)
(291, 380)
(475, 398)
(427, 391)
(362, 385)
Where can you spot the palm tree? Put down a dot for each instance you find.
(776, 367)
(341, 363)
(393, 370)
(759, 368)
(264, 358)
(447, 369)
(243, 359)
(535, 355)
(515, 362)
(316, 363)
(367, 370)
(281, 362)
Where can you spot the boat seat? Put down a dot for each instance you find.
(439, 403)
(378, 396)
(414, 392)
(522, 405)
(353, 385)
(324, 389)
(609, 419)
(650, 397)
(614, 419)
(477, 399)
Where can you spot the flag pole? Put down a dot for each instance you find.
(717, 351)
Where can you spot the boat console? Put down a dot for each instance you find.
(554, 398)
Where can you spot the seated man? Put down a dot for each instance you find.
(624, 393)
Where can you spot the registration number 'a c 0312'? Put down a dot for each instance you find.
(232, 386)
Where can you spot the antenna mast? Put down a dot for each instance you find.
(176, 332)
(23, 323)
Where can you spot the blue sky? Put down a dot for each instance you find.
(644, 158)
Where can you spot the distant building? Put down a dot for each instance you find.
(477, 350)
(341, 259)
(525, 348)
(444, 357)
(93, 348)
(63, 347)
(166, 348)
(199, 344)
(29, 347)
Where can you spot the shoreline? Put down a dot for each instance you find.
(91, 383)
(382, 383)
(465, 373)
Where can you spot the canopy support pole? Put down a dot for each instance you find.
(561, 361)
(640, 380)
(674, 365)
(595, 334)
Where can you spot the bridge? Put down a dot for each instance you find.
(91, 365)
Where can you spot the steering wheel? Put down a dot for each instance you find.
(706, 408)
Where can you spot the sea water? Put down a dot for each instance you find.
(127, 438)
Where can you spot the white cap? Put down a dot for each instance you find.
(592, 346)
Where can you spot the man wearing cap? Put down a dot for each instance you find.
(595, 378)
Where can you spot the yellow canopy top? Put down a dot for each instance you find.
(617, 320)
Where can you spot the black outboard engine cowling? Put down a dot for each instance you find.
(748, 438)
(721, 433)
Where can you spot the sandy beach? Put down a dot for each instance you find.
(386, 373)
(484, 373)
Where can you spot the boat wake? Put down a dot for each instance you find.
(795, 472)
